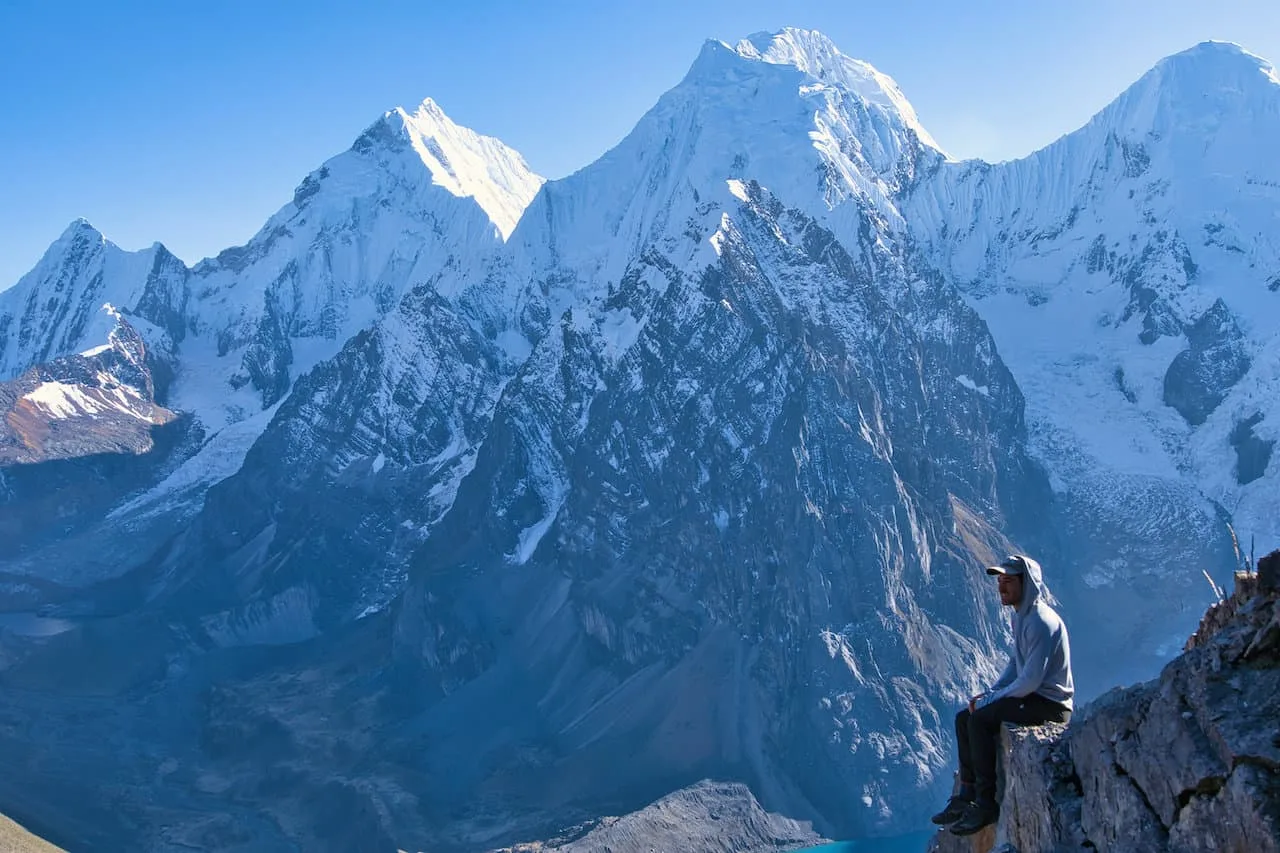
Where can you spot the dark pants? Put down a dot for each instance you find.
(978, 735)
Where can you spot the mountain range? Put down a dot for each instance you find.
(461, 508)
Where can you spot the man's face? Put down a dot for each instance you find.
(1010, 589)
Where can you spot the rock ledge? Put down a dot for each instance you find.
(1189, 761)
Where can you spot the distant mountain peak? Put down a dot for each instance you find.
(815, 54)
(430, 107)
(76, 245)
(1216, 64)
(468, 164)
(80, 228)
(1207, 84)
(1213, 50)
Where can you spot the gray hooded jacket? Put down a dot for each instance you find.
(1041, 660)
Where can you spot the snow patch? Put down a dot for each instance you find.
(721, 518)
(532, 535)
(619, 328)
(514, 344)
(65, 400)
(220, 457)
(973, 386)
(60, 400)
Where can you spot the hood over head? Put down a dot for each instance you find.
(1033, 585)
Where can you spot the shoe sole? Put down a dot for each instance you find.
(963, 833)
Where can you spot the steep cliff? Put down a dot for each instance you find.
(1188, 761)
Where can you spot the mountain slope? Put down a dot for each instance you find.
(1144, 240)
(1126, 274)
(415, 200)
(680, 361)
(691, 475)
(56, 309)
(98, 401)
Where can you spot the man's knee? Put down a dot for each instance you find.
(962, 723)
(988, 716)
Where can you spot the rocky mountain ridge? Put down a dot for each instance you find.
(98, 401)
(692, 469)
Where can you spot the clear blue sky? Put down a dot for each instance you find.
(190, 123)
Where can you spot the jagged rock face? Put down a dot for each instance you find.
(349, 478)
(1216, 358)
(56, 309)
(1253, 454)
(1189, 761)
(101, 401)
(727, 530)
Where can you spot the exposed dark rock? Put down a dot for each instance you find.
(1253, 454)
(82, 405)
(267, 358)
(165, 295)
(1153, 277)
(1269, 572)
(1200, 376)
(710, 817)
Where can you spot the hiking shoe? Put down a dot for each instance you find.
(976, 816)
(955, 810)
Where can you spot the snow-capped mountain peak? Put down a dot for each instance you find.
(1135, 260)
(468, 164)
(816, 55)
(55, 309)
(78, 228)
(1202, 88)
(1217, 59)
(821, 132)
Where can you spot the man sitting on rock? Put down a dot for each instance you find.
(1036, 688)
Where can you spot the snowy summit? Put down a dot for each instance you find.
(813, 53)
(470, 165)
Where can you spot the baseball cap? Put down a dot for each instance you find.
(1014, 564)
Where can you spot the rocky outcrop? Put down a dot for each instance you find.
(715, 817)
(1189, 761)
(99, 401)
(1216, 357)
